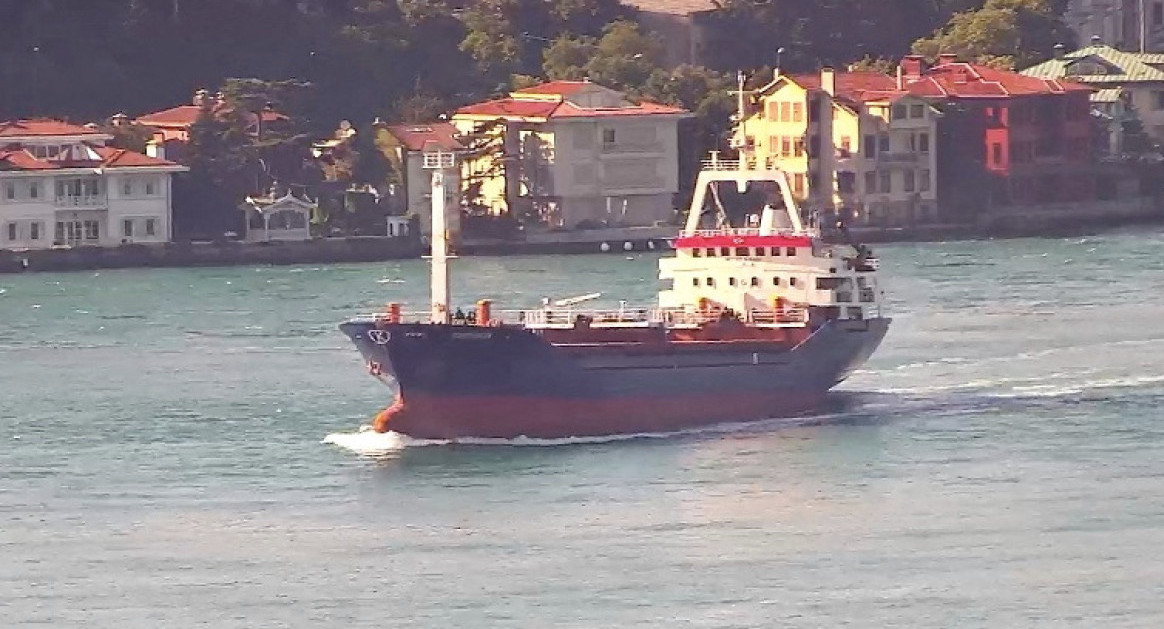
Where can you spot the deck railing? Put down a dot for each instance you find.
(628, 316)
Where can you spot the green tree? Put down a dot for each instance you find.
(1002, 33)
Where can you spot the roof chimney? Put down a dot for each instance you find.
(119, 119)
(947, 57)
(913, 66)
(200, 98)
(900, 78)
(828, 81)
(1059, 50)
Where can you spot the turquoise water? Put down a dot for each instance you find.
(999, 463)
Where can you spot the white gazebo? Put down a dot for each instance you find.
(285, 218)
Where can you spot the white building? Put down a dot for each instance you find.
(60, 185)
(576, 152)
(410, 143)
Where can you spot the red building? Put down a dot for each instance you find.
(1029, 139)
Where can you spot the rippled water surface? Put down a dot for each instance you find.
(999, 463)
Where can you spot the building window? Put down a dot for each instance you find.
(798, 183)
(732, 281)
(900, 112)
(695, 281)
(870, 146)
(756, 282)
(797, 112)
(846, 146)
(34, 230)
(870, 182)
(711, 281)
(996, 153)
(917, 111)
(92, 230)
(773, 110)
(127, 187)
(792, 281)
(925, 180)
(1157, 100)
(10, 191)
(12, 231)
(608, 136)
(886, 182)
(151, 226)
(786, 146)
(127, 228)
(883, 143)
(846, 182)
(775, 281)
(910, 180)
(1157, 14)
(151, 187)
(798, 147)
(34, 190)
(923, 143)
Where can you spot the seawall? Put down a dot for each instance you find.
(177, 254)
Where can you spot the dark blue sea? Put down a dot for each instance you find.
(179, 448)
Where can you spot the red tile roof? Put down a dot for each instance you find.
(967, 80)
(41, 127)
(503, 107)
(184, 116)
(416, 137)
(851, 85)
(108, 157)
(522, 105)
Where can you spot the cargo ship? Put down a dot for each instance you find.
(759, 317)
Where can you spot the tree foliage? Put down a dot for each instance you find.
(1002, 33)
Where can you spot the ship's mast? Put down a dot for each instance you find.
(439, 162)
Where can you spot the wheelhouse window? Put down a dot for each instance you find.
(696, 252)
(790, 251)
(711, 252)
(725, 251)
(742, 252)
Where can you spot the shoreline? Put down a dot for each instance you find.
(613, 241)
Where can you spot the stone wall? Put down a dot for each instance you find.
(318, 251)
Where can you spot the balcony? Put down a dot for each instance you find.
(81, 201)
(631, 147)
(898, 158)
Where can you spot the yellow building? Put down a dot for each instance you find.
(853, 141)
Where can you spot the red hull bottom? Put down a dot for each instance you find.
(554, 418)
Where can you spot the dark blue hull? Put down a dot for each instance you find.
(468, 381)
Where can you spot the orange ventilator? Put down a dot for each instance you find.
(484, 311)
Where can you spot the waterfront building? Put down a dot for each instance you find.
(1006, 139)
(570, 153)
(62, 185)
(854, 141)
(1123, 83)
(409, 143)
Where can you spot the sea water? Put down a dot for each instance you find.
(183, 448)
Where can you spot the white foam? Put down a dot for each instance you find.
(368, 442)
